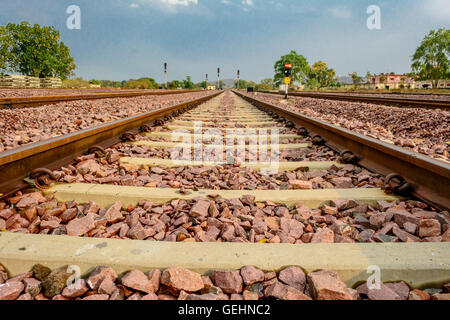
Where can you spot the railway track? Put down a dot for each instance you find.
(22, 102)
(391, 93)
(284, 189)
(392, 101)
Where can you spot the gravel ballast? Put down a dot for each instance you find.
(20, 127)
(421, 130)
(175, 283)
(214, 219)
(16, 93)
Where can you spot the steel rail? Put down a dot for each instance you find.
(16, 164)
(20, 102)
(402, 102)
(391, 93)
(430, 178)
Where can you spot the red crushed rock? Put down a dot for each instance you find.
(179, 279)
(294, 277)
(326, 285)
(23, 126)
(251, 275)
(418, 129)
(11, 290)
(211, 220)
(228, 281)
(137, 280)
(181, 284)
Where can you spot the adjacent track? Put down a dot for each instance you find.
(16, 164)
(21, 102)
(394, 101)
(429, 178)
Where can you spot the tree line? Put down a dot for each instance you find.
(141, 83)
(38, 51)
(429, 62)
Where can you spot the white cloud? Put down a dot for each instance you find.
(244, 5)
(180, 2)
(247, 4)
(164, 3)
(341, 12)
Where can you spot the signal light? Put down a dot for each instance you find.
(287, 70)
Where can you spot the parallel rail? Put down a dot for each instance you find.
(429, 177)
(20, 102)
(392, 93)
(394, 101)
(16, 164)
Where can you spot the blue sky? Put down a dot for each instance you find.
(122, 39)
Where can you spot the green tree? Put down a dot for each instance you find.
(188, 84)
(221, 85)
(35, 51)
(313, 83)
(268, 83)
(368, 77)
(324, 76)
(5, 47)
(137, 84)
(110, 84)
(300, 68)
(265, 85)
(75, 83)
(175, 84)
(93, 81)
(242, 84)
(151, 82)
(431, 59)
(356, 79)
(204, 85)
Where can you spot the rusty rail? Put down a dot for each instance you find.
(17, 164)
(394, 101)
(430, 178)
(20, 102)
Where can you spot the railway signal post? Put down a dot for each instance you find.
(238, 78)
(165, 74)
(218, 78)
(287, 78)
